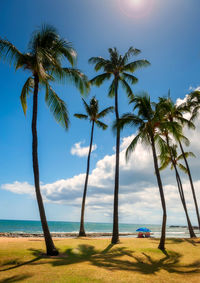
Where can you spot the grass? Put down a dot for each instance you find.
(96, 260)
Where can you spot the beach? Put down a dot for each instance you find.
(96, 260)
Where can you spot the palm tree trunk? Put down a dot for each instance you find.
(180, 188)
(191, 184)
(181, 192)
(162, 239)
(82, 230)
(51, 250)
(115, 234)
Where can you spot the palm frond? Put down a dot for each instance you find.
(161, 144)
(9, 52)
(128, 54)
(57, 107)
(130, 78)
(64, 48)
(101, 125)
(44, 37)
(126, 87)
(183, 168)
(26, 90)
(104, 112)
(78, 78)
(133, 66)
(185, 140)
(87, 108)
(164, 164)
(81, 116)
(187, 154)
(99, 63)
(132, 146)
(98, 80)
(129, 120)
(111, 91)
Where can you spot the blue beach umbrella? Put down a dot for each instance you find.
(143, 229)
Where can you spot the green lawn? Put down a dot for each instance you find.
(96, 260)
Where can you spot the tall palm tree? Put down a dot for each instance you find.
(93, 115)
(147, 119)
(171, 157)
(175, 113)
(118, 68)
(46, 50)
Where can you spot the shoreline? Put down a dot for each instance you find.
(61, 235)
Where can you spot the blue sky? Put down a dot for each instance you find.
(167, 32)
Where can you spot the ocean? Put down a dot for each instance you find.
(25, 226)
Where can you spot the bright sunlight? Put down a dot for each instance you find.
(136, 8)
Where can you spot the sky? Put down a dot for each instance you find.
(167, 33)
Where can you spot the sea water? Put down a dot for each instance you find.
(28, 226)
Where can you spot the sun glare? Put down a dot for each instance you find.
(135, 2)
(136, 8)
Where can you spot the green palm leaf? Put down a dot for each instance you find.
(87, 108)
(111, 91)
(57, 107)
(128, 54)
(81, 116)
(130, 78)
(101, 125)
(183, 168)
(104, 112)
(98, 80)
(78, 78)
(99, 62)
(127, 88)
(9, 52)
(133, 66)
(26, 90)
(187, 154)
(65, 49)
(132, 146)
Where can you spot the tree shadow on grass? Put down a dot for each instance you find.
(117, 258)
(193, 241)
(15, 263)
(15, 278)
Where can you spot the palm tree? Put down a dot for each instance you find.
(147, 120)
(46, 50)
(118, 68)
(171, 157)
(174, 113)
(94, 115)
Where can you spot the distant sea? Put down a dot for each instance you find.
(24, 226)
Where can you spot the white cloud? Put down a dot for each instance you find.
(191, 88)
(139, 199)
(81, 151)
(19, 188)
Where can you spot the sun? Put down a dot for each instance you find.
(135, 2)
(136, 8)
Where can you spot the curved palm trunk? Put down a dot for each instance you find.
(191, 184)
(51, 250)
(82, 230)
(162, 197)
(181, 192)
(180, 188)
(115, 234)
